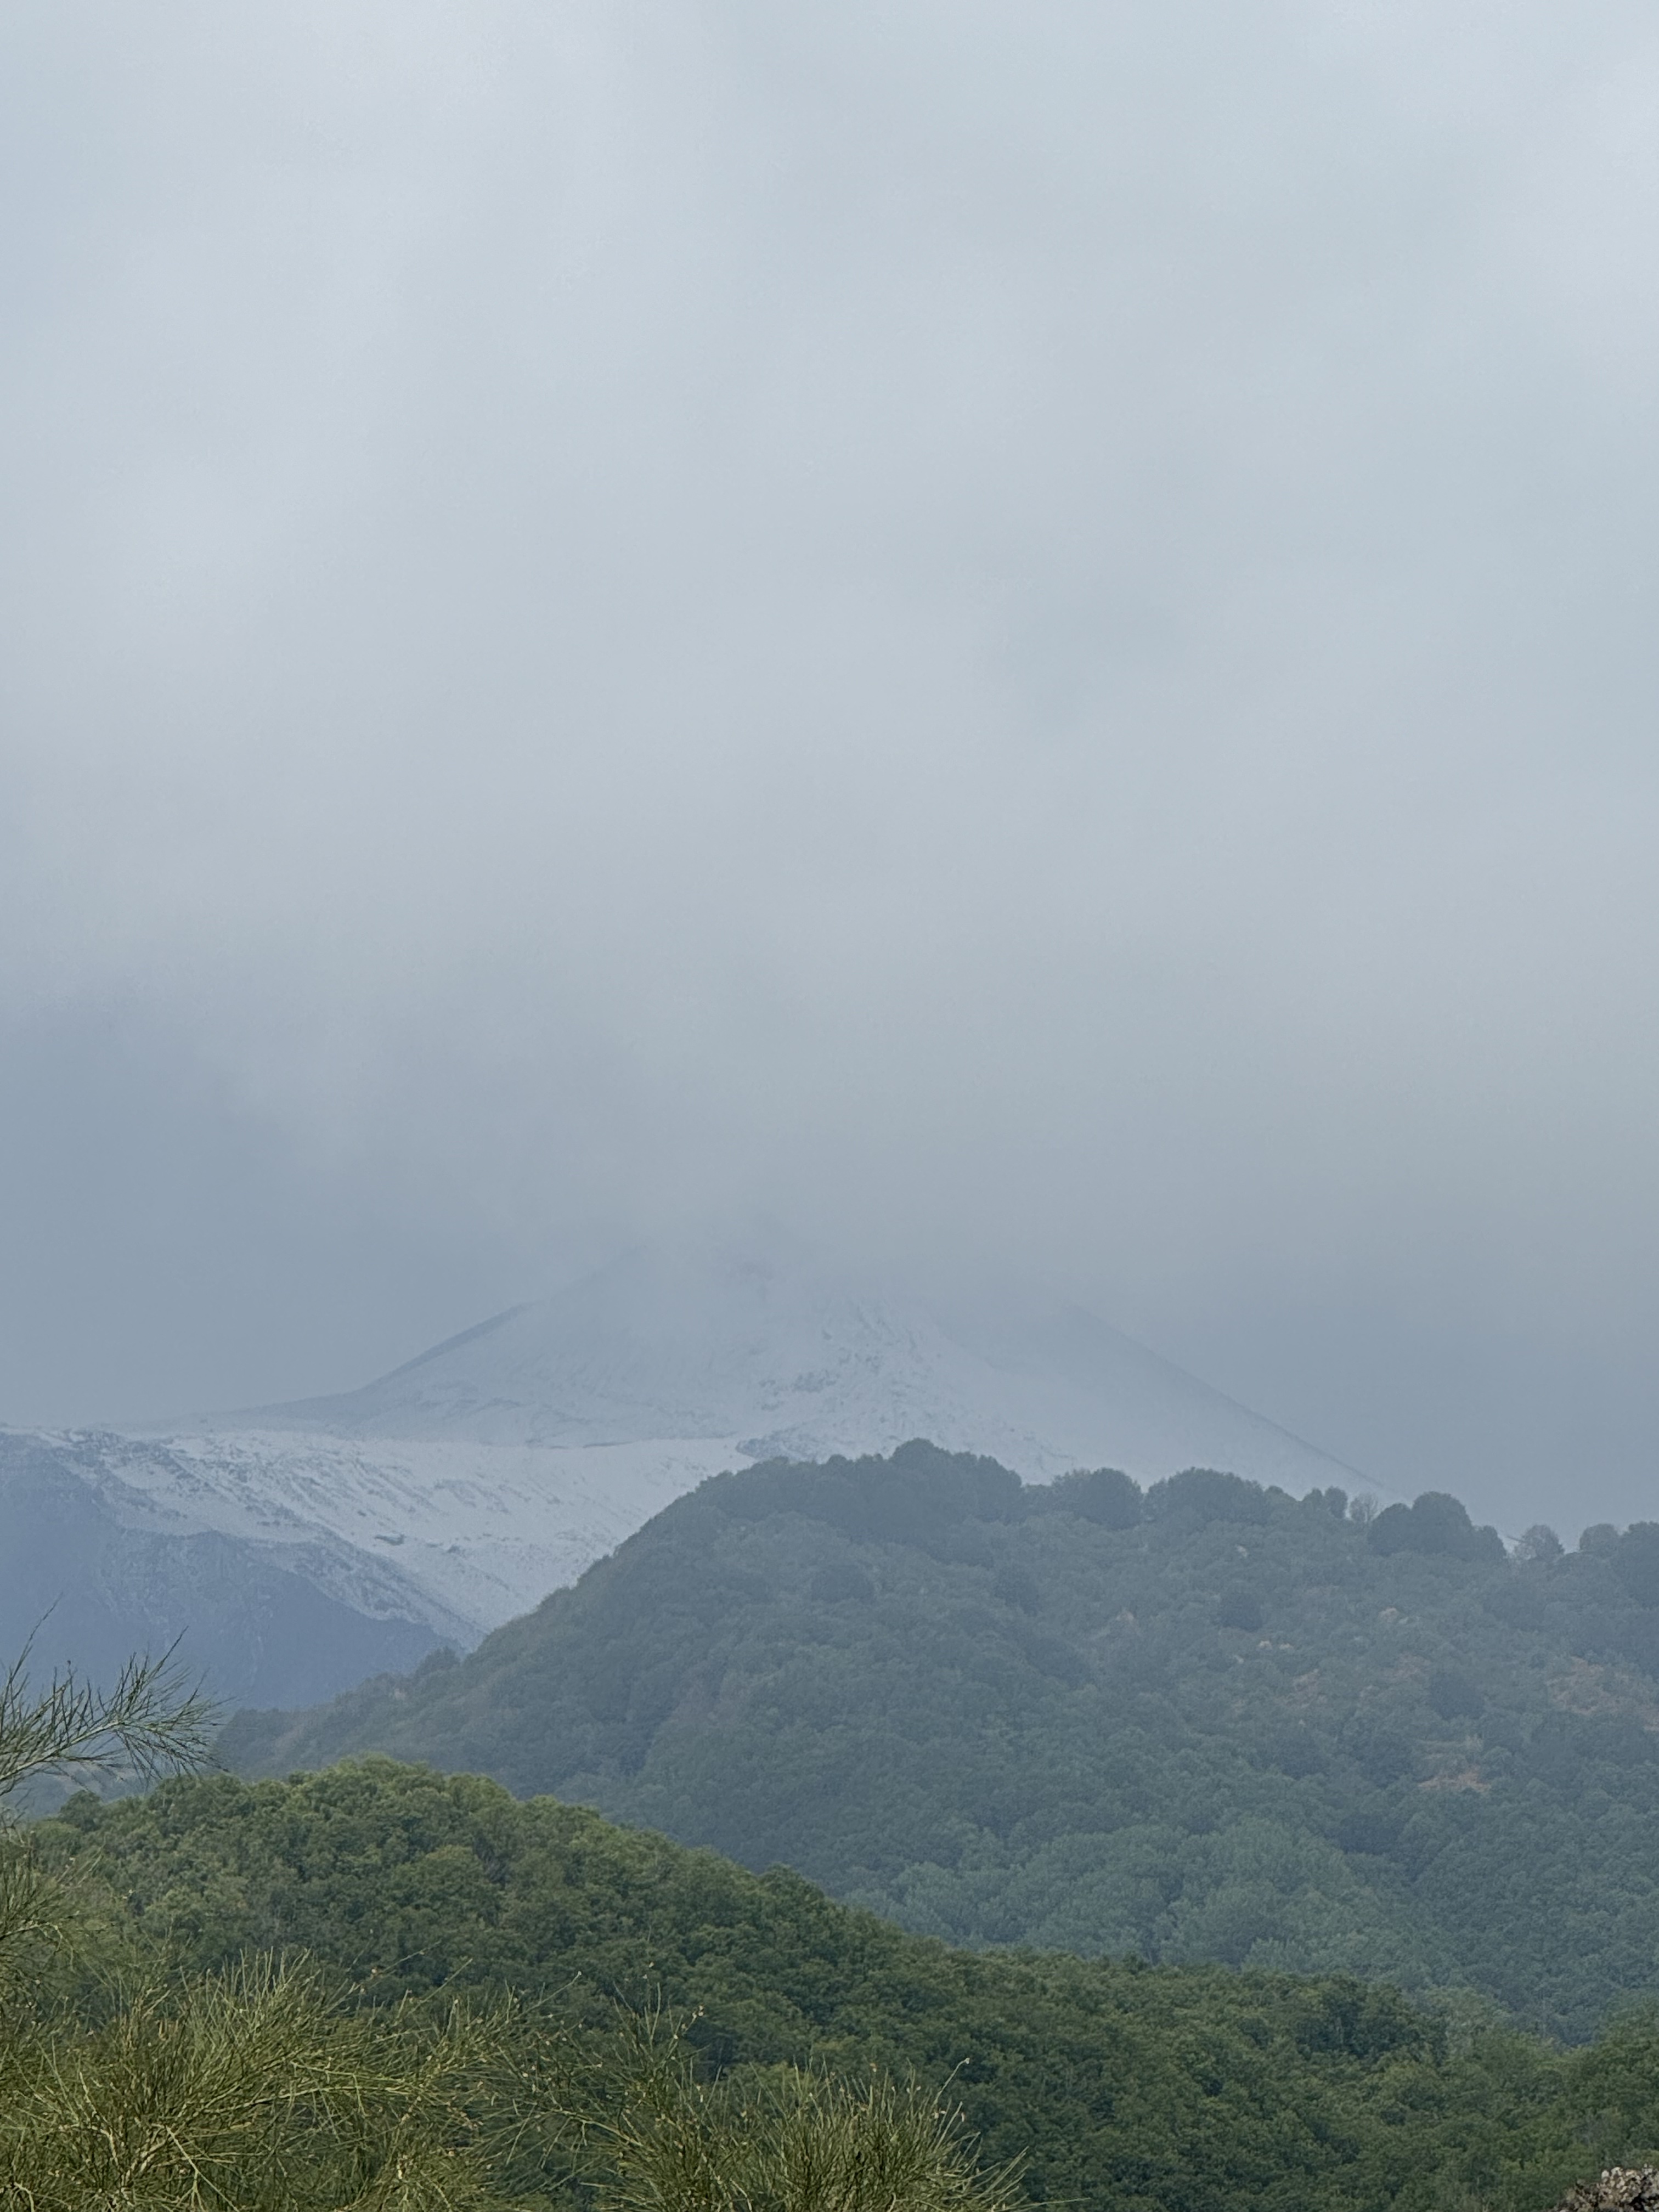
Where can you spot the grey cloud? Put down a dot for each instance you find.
(1020, 634)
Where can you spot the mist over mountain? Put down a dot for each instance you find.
(443, 1498)
(759, 1346)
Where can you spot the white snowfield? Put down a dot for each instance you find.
(460, 1537)
(462, 1487)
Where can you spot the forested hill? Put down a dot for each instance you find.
(1121, 2089)
(1208, 1722)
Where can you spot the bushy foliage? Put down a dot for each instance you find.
(247, 2087)
(657, 2132)
(1436, 1525)
(1211, 1721)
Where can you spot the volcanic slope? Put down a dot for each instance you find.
(1202, 1722)
(442, 1500)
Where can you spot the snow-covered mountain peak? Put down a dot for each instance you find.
(462, 1487)
(760, 1342)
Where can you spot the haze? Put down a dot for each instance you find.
(1019, 635)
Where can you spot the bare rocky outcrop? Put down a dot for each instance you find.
(1621, 2188)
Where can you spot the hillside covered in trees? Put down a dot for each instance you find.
(1110, 2084)
(1208, 1722)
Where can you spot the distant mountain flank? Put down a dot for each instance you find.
(444, 1498)
(95, 1567)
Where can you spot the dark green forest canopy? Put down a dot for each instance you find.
(1208, 1722)
(1189, 2089)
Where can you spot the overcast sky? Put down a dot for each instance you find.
(1023, 634)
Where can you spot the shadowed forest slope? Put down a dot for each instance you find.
(1206, 1722)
